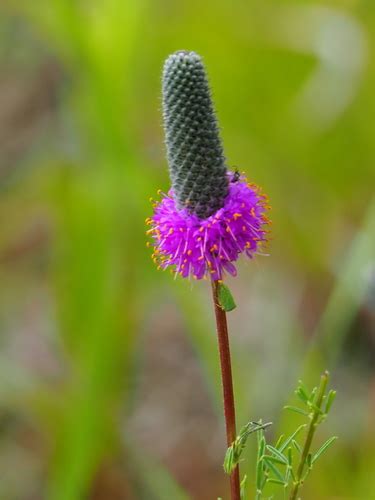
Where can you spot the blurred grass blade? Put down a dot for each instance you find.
(351, 287)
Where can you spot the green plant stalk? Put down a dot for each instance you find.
(227, 383)
(309, 436)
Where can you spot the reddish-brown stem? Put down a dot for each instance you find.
(226, 377)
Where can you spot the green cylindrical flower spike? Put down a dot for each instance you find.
(195, 154)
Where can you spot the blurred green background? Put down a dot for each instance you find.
(109, 385)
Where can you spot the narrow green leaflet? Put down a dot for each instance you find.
(297, 446)
(330, 399)
(316, 408)
(276, 453)
(261, 445)
(229, 460)
(233, 453)
(290, 439)
(259, 475)
(296, 410)
(271, 458)
(279, 441)
(304, 389)
(276, 481)
(302, 393)
(243, 487)
(323, 448)
(273, 468)
(290, 457)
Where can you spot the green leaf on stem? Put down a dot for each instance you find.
(272, 467)
(243, 487)
(260, 476)
(276, 453)
(276, 481)
(296, 410)
(323, 448)
(330, 399)
(271, 458)
(297, 446)
(290, 457)
(226, 301)
(316, 408)
(279, 441)
(233, 453)
(287, 441)
(229, 460)
(302, 392)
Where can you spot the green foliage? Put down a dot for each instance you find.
(234, 452)
(288, 463)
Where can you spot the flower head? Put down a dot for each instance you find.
(201, 247)
(210, 216)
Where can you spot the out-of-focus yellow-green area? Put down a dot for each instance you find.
(109, 382)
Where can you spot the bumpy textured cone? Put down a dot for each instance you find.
(195, 155)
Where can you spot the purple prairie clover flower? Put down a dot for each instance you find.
(211, 215)
(208, 247)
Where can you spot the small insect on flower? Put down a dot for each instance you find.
(211, 215)
(236, 175)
